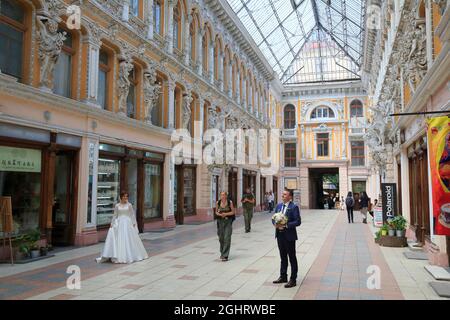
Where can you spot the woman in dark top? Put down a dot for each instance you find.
(364, 203)
(349, 203)
(225, 216)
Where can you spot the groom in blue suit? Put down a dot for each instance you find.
(286, 236)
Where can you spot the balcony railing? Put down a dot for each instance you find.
(288, 133)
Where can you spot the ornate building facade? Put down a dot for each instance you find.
(92, 104)
(406, 71)
(322, 135)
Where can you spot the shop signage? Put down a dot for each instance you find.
(439, 156)
(20, 159)
(378, 216)
(389, 200)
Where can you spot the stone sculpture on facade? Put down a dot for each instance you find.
(123, 82)
(50, 44)
(152, 91)
(187, 101)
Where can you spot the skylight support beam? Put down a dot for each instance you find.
(297, 54)
(339, 45)
(316, 12)
(282, 28)
(259, 30)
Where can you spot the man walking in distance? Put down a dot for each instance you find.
(286, 236)
(248, 202)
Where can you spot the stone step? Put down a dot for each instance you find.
(441, 288)
(414, 246)
(416, 255)
(439, 273)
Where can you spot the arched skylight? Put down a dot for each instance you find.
(306, 40)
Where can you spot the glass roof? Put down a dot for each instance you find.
(306, 40)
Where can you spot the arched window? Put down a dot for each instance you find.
(158, 108)
(289, 116)
(322, 112)
(104, 79)
(157, 8)
(192, 40)
(132, 94)
(12, 30)
(216, 60)
(134, 7)
(356, 109)
(62, 74)
(176, 26)
(205, 54)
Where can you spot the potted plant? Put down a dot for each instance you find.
(391, 227)
(44, 250)
(400, 226)
(384, 229)
(34, 236)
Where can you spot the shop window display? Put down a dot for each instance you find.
(107, 189)
(20, 178)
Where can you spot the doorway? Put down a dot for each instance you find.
(185, 185)
(357, 188)
(63, 211)
(323, 187)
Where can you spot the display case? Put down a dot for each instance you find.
(108, 187)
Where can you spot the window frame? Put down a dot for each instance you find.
(107, 69)
(363, 156)
(290, 160)
(356, 104)
(291, 117)
(324, 142)
(22, 28)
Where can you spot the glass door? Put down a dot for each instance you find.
(189, 190)
(62, 203)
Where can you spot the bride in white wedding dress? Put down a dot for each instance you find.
(123, 244)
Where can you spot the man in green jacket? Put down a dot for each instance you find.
(248, 203)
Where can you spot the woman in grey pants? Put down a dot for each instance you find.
(225, 217)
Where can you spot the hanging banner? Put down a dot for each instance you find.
(439, 153)
(389, 200)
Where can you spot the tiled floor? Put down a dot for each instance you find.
(333, 260)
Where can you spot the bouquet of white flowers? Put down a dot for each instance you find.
(279, 218)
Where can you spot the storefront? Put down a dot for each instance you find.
(184, 193)
(39, 171)
(233, 185)
(419, 190)
(249, 180)
(139, 172)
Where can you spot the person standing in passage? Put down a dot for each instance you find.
(364, 202)
(225, 217)
(286, 236)
(248, 202)
(342, 203)
(271, 201)
(350, 203)
(123, 244)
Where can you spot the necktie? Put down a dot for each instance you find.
(283, 210)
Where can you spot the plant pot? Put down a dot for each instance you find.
(391, 232)
(400, 233)
(20, 255)
(44, 251)
(383, 232)
(35, 254)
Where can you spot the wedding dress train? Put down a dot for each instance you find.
(123, 244)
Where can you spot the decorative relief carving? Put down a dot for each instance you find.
(152, 90)
(50, 42)
(123, 83)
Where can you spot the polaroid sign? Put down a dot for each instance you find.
(389, 200)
